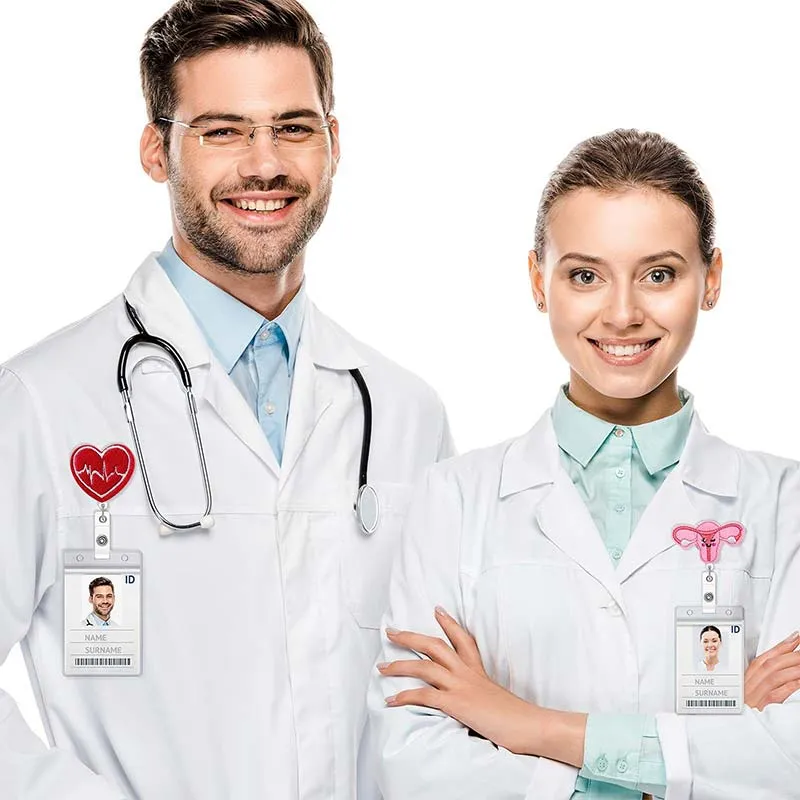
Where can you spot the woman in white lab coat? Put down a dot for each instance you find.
(551, 560)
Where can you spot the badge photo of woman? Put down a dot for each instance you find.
(711, 645)
(529, 648)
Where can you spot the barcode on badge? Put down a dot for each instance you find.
(102, 662)
(710, 703)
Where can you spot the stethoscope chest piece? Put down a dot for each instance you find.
(367, 509)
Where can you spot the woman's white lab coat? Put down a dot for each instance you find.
(501, 539)
(259, 634)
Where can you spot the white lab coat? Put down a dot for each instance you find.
(258, 634)
(501, 539)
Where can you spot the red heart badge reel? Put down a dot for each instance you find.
(102, 474)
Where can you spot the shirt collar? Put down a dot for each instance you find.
(227, 324)
(660, 443)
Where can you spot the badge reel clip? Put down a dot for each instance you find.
(106, 583)
(709, 638)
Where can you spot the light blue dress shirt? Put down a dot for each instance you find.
(259, 354)
(617, 470)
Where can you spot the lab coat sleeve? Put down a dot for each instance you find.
(422, 753)
(757, 753)
(29, 770)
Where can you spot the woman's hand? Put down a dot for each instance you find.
(774, 675)
(459, 687)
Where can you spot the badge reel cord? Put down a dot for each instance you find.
(366, 506)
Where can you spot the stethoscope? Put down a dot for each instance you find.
(366, 506)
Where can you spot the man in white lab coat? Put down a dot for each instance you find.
(253, 634)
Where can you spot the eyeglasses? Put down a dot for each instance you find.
(300, 134)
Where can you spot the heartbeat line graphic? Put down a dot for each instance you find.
(92, 474)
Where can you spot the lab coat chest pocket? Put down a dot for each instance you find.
(367, 559)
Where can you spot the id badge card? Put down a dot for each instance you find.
(709, 660)
(102, 613)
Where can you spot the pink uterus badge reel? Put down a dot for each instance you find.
(708, 537)
(709, 638)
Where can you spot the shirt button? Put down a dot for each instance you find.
(622, 765)
(601, 765)
(270, 408)
(620, 473)
(616, 553)
(619, 508)
(619, 432)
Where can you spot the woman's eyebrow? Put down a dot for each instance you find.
(662, 255)
(581, 257)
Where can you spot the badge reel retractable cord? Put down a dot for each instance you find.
(106, 583)
(709, 638)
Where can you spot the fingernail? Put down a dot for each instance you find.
(792, 636)
(390, 700)
(392, 631)
(441, 612)
(382, 666)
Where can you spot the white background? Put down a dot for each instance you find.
(452, 114)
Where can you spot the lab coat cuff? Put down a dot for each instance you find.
(552, 780)
(675, 748)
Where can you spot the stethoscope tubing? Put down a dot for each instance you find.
(142, 337)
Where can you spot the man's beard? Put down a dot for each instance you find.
(253, 251)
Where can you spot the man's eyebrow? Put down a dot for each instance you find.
(298, 113)
(295, 113)
(219, 115)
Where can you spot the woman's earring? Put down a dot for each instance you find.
(540, 305)
(710, 303)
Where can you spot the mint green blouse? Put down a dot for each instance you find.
(617, 470)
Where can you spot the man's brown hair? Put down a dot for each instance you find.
(99, 582)
(193, 27)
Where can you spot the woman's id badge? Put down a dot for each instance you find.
(709, 660)
(102, 613)
(709, 639)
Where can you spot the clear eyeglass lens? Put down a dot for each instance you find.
(295, 135)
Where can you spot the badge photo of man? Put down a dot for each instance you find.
(101, 596)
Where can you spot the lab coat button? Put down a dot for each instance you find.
(622, 765)
(614, 610)
(601, 765)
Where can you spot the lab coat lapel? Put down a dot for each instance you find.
(561, 515)
(708, 464)
(323, 346)
(165, 314)
(566, 521)
(225, 398)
